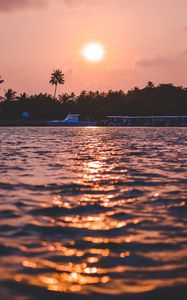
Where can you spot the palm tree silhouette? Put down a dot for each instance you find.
(10, 95)
(57, 77)
(150, 85)
(1, 80)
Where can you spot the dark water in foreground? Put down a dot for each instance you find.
(93, 213)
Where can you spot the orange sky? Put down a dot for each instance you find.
(144, 40)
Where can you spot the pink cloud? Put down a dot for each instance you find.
(78, 5)
(159, 60)
(153, 62)
(11, 5)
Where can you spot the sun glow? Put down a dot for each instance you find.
(93, 52)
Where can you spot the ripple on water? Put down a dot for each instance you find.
(93, 213)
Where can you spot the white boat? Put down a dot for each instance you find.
(71, 120)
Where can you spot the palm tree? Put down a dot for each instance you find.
(10, 95)
(57, 77)
(67, 98)
(1, 80)
(23, 97)
(150, 85)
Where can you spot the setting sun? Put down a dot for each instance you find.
(93, 52)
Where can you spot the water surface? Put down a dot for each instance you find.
(93, 213)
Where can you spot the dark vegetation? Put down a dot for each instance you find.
(164, 99)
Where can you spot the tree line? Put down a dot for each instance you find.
(161, 99)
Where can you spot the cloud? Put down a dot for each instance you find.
(68, 5)
(12, 5)
(184, 53)
(72, 5)
(153, 62)
(78, 5)
(185, 28)
(161, 61)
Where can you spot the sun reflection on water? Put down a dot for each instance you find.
(104, 216)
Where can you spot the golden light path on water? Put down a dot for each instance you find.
(100, 220)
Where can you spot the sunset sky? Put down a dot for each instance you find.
(142, 39)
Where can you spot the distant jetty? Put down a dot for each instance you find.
(74, 120)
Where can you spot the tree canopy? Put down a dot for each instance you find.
(163, 99)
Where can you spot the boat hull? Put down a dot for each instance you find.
(68, 124)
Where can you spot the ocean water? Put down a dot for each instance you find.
(93, 213)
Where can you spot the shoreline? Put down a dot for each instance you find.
(42, 124)
(72, 120)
